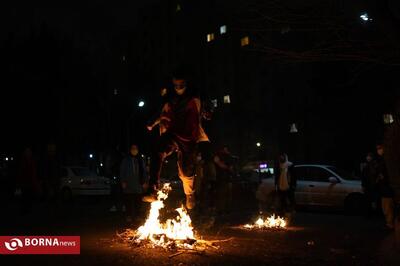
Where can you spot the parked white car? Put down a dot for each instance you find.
(321, 185)
(83, 181)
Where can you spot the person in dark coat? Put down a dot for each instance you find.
(27, 180)
(368, 181)
(385, 190)
(133, 177)
(112, 171)
(51, 173)
(224, 166)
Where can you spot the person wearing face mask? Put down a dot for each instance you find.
(133, 177)
(368, 181)
(181, 120)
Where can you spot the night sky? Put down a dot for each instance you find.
(61, 68)
(55, 60)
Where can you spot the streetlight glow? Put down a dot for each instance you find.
(258, 144)
(365, 17)
(141, 104)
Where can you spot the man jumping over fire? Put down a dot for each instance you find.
(180, 129)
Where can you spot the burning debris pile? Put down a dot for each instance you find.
(270, 222)
(173, 234)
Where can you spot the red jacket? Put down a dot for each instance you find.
(184, 118)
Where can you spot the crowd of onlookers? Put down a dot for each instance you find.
(215, 170)
(377, 187)
(31, 177)
(213, 182)
(379, 194)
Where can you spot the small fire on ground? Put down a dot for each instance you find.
(270, 222)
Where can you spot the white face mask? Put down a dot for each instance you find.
(180, 91)
(179, 85)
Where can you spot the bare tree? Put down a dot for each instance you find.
(317, 31)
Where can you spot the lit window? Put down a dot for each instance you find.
(244, 41)
(214, 103)
(222, 29)
(210, 37)
(115, 91)
(388, 118)
(227, 99)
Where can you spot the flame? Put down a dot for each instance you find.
(270, 222)
(173, 230)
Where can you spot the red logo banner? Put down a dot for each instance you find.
(40, 245)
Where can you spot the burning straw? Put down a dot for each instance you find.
(174, 234)
(270, 222)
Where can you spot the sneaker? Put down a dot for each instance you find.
(113, 209)
(151, 197)
(190, 201)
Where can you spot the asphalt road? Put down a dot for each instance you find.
(314, 238)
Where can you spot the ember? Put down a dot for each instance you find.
(270, 222)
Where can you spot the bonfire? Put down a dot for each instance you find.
(173, 234)
(177, 231)
(270, 222)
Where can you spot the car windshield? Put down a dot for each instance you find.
(343, 174)
(83, 172)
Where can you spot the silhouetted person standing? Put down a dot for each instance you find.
(285, 183)
(133, 176)
(385, 190)
(368, 179)
(27, 180)
(224, 160)
(51, 173)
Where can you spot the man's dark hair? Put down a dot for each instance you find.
(186, 73)
(182, 72)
